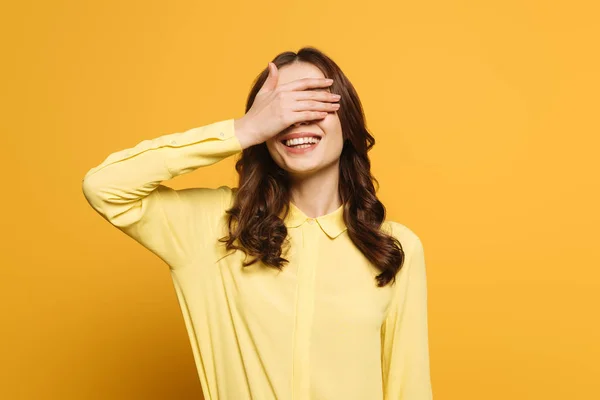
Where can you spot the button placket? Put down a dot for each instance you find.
(305, 310)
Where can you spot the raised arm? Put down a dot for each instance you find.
(405, 344)
(126, 190)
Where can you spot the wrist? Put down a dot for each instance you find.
(244, 134)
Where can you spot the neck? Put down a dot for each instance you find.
(317, 194)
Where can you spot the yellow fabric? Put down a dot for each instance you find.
(320, 329)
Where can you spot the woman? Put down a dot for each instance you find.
(293, 285)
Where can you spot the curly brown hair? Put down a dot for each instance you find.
(263, 192)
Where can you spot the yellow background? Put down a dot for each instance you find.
(486, 120)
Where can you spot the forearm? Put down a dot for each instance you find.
(129, 175)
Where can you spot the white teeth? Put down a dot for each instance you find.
(301, 141)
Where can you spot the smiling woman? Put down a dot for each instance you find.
(333, 302)
(337, 168)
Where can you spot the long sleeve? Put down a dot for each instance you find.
(405, 343)
(126, 190)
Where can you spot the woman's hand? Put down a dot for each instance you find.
(277, 108)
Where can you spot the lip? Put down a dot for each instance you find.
(299, 151)
(297, 135)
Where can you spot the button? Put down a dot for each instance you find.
(221, 134)
(173, 142)
(311, 221)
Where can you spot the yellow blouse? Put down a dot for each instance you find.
(320, 329)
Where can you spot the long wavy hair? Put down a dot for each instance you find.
(263, 192)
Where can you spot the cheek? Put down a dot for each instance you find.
(332, 123)
(332, 126)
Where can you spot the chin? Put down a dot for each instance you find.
(300, 167)
(294, 162)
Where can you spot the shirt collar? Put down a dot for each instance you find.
(332, 224)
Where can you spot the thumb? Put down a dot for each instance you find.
(271, 82)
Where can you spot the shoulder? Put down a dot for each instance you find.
(407, 237)
(412, 248)
(206, 200)
(221, 193)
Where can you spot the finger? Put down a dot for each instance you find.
(311, 105)
(308, 116)
(317, 95)
(271, 81)
(306, 83)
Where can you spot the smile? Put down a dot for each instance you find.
(301, 145)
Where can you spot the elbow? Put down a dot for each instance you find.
(110, 204)
(95, 194)
(91, 192)
(90, 186)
